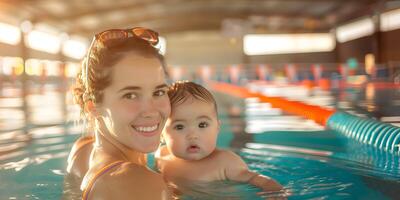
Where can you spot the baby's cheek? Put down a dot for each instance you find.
(177, 145)
(169, 141)
(211, 144)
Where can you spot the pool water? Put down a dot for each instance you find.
(310, 162)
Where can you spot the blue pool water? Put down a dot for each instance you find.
(37, 131)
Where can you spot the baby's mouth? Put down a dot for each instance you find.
(193, 149)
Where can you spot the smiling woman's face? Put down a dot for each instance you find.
(135, 106)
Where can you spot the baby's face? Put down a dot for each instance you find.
(192, 129)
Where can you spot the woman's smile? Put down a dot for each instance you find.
(146, 130)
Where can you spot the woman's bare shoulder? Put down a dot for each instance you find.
(138, 171)
(78, 159)
(82, 142)
(129, 181)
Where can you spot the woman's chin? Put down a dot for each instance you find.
(149, 148)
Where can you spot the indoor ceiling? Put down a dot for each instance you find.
(234, 17)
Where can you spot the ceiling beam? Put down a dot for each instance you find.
(140, 5)
(182, 21)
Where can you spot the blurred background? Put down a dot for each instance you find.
(202, 32)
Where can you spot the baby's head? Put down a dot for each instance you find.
(192, 128)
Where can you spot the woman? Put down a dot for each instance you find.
(121, 90)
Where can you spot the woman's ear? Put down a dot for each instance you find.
(90, 108)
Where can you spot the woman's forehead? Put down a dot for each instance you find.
(138, 71)
(135, 59)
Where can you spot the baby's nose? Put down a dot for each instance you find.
(192, 136)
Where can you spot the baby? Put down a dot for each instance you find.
(191, 136)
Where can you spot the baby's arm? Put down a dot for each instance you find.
(264, 182)
(237, 170)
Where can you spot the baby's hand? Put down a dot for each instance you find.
(265, 183)
(272, 190)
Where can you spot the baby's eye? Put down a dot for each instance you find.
(129, 96)
(178, 127)
(160, 93)
(203, 125)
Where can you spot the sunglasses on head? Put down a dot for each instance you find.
(118, 34)
(113, 37)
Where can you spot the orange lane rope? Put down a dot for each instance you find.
(319, 114)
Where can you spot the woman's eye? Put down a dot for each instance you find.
(129, 96)
(203, 125)
(178, 127)
(159, 93)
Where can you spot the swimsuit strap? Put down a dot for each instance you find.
(102, 171)
(82, 143)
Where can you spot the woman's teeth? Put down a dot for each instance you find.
(145, 128)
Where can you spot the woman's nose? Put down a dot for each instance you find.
(149, 109)
(149, 114)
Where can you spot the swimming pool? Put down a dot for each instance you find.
(38, 129)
